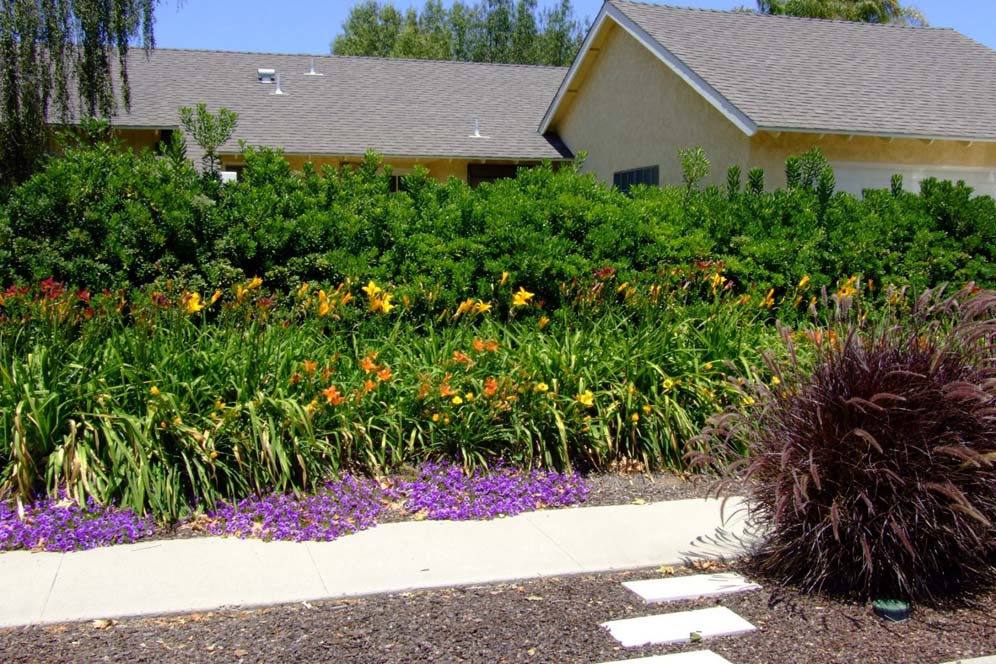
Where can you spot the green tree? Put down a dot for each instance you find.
(482, 31)
(498, 25)
(561, 35)
(209, 131)
(867, 11)
(437, 38)
(525, 33)
(370, 29)
(466, 27)
(45, 45)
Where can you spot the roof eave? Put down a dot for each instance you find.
(875, 134)
(412, 156)
(727, 108)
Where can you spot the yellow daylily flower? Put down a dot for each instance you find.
(372, 289)
(521, 297)
(216, 296)
(194, 303)
(586, 399)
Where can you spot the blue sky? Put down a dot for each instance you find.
(308, 26)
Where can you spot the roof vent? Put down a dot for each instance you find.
(278, 91)
(477, 130)
(266, 75)
(311, 70)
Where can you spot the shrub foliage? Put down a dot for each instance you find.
(99, 217)
(875, 474)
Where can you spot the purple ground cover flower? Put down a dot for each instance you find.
(444, 491)
(59, 524)
(339, 508)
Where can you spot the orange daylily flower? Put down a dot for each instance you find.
(333, 396)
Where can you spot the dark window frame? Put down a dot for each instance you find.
(627, 179)
(489, 172)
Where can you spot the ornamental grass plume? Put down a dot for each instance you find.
(874, 475)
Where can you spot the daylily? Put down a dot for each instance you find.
(194, 303)
(521, 297)
(586, 399)
(333, 396)
(372, 289)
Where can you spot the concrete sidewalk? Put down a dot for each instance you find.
(209, 573)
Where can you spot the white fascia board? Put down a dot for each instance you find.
(673, 62)
(565, 85)
(874, 134)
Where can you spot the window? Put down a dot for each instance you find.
(234, 172)
(478, 173)
(165, 139)
(624, 180)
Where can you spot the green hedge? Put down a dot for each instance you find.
(102, 218)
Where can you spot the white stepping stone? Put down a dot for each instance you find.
(697, 657)
(678, 627)
(690, 587)
(991, 659)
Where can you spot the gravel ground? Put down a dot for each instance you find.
(548, 620)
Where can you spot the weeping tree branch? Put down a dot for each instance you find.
(48, 45)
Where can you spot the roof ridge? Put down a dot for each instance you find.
(734, 11)
(333, 56)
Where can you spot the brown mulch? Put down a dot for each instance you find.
(547, 620)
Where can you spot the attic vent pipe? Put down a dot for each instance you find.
(311, 70)
(477, 129)
(278, 91)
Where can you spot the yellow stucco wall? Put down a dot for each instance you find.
(138, 139)
(439, 169)
(769, 151)
(631, 111)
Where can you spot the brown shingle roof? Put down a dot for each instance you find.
(835, 76)
(414, 108)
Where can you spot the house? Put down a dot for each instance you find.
(752, 90)
(469, 120)
(650, 79)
